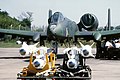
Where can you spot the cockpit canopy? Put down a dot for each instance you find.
(55, 18)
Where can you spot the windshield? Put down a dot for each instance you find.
(56, 17)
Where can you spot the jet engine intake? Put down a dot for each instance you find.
(88, 22)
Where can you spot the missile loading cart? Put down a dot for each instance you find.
(73, 67)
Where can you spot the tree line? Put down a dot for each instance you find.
(23, 21)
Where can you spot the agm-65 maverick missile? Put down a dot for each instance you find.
(42, 63)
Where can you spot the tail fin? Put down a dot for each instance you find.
(50, 13)
(109, 20)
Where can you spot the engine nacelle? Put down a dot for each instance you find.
(88, 22)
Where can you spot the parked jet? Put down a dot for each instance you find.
(61, 28)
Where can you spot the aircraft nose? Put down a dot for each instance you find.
(85, 52)
(52, 27)
(57, 30)
(22, 52)
(36, 63)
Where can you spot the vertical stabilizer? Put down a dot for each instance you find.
(50, 13)
(109, 20)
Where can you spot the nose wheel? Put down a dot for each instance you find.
(54, 47)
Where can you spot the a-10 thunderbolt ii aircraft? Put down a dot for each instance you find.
(61, 28)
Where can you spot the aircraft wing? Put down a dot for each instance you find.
(85, 35)
(110, 34)
(25, 34)
(98, 35)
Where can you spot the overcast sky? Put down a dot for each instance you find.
(73, 9)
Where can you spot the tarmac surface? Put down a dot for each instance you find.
(10, 66)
